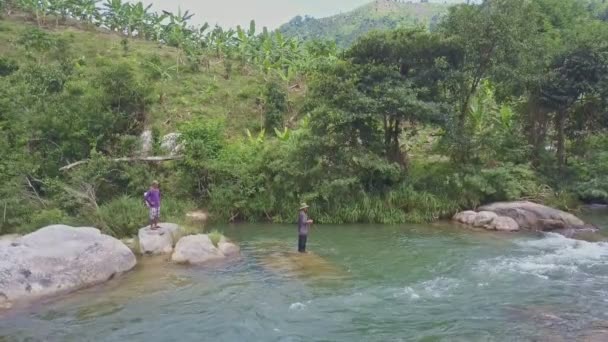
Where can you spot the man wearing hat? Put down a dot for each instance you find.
(303, 227)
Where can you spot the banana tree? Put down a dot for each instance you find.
(86, 10)
(60, 9)
(177, 32)
(114, 14)
(139, 16)
(32, 6)
(155, 26)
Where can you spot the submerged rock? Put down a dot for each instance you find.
(59, 259)
(513, 216)
(196, 249)
(228, 248)
(302, 265)
(159, 241)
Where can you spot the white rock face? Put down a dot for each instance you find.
(159, 241)
(58, 259)
(170, 143)
(146, 141)
(196, 249)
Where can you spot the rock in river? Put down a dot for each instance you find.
(228, 248)
(159, 241)
(196, 249)
(534, 216)
(504, 224)
(58, 259)
(512, 216)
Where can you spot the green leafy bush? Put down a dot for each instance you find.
(124, 216)
(215, 236)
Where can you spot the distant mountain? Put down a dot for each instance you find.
(345, 28)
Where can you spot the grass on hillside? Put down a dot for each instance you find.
(207, 93)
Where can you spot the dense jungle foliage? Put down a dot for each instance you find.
(502, 100)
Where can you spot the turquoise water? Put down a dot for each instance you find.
(435, 282)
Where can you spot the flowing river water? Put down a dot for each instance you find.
(435, 282)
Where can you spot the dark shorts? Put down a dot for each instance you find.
(302, 243)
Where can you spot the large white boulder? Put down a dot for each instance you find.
(158, 241)
(484, 218)
(170, 143)
(503, 223)
(466, 217)
(514, 216)
(59, 259)
(196, 249)
(534, 216)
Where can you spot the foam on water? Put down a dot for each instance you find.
(297, 306)
(431, 289)
(550, 255)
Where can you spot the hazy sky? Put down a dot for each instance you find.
(271, 13)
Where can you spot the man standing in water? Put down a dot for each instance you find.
(303, 227)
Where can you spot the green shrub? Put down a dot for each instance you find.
(215, 237)
(124, 216)
(43, 218)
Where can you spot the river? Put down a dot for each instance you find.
(435, 282)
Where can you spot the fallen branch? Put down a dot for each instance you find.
(27, 179)
(125, 159)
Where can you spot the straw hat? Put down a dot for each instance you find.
(303, 206)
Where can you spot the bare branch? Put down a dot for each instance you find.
(126, 159)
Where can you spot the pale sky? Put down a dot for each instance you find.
(270, 13)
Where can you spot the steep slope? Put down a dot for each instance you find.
(178, 96)
(345, 28)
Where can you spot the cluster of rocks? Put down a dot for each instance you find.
(523, 215)
(488, 220)
(191, 249)
(60, 259)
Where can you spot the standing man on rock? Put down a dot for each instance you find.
(152, 201)
(303, 227)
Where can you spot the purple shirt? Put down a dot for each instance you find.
(152, 197)
(303, 223)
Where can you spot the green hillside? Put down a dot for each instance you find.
(408, 125)
(345, 28)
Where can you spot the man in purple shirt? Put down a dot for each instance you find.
(303, 227)
(152, 200)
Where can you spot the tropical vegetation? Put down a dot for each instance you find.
(503, 100)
